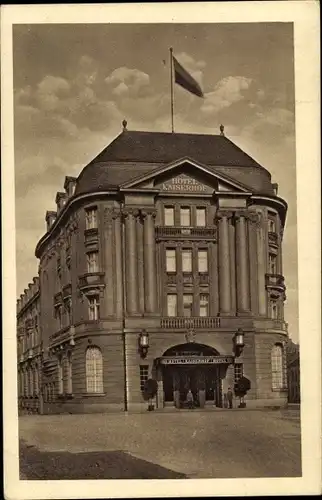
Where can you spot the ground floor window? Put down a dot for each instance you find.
(144, 375)
(238, 372)
(94, 370)
(277, 367)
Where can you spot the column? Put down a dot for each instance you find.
(242, 271)
(108, 261)
(118, 263)
(131, 275)
(224, 262)
(232, 252)
(139, 234)
(261, 264)
(150, 286)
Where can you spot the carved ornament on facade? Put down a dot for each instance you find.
(131, 211)
(255, 219)
(145, 212)
(221, 214)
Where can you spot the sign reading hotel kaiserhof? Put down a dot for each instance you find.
(186, 184)
(196, 360)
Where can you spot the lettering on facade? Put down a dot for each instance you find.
(200, 360)
(186, 184)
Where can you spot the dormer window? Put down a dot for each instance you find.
(70, 185)
(50, 219)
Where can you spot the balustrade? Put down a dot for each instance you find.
(193, 322)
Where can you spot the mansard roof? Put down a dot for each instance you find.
(135, 153)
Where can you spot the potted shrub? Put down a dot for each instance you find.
(241, 388)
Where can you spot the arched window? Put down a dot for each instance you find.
(94, 370)
(277, 367)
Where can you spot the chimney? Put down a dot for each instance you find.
(50, 219)
(70, 185)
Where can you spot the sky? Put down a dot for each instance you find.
(74, 84)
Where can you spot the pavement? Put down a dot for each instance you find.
(191, 444)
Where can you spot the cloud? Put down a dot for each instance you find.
(127, 81)
(228, 91)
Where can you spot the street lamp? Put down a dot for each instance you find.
(143, 343)
(239, 342)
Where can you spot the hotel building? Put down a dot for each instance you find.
(165, 251)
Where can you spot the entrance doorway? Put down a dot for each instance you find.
(188, 369)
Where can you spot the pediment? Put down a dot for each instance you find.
(185, 176)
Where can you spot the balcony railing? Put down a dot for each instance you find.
(273, 238)
(190, 323)
(67, 291)
(275, 281)
(187, 279)
(91, 236)
(91, 280)
(177, 232)
(58, 298)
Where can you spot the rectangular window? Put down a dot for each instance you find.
(271, 226)
(69, 374)
(203, 261)
(187, 261)
(59, 316)
(272, 263)
(238, 372)
(144, 375)
(172, 304)
(185, 216)
(60, 376)
(92, 262)
(168, 216)
(204, 305)
(68, 309)
(187, 304)
(201, 217)
(93, 307)
(273, 309)
(170, 260)
(91, 218)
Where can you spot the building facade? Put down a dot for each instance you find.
(29, 349)
(293, 372)
(163, 248)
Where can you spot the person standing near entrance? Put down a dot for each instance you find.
(230, 397)
(190, 399)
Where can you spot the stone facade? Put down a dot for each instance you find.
(104, 280)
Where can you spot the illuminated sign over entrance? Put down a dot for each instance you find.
(196, 360)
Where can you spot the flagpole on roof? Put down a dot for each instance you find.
(171, 79)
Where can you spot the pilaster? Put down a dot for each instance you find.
(224, 218)
(242, 268)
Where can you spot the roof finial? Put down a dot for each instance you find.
(124, 123)
(222, 128)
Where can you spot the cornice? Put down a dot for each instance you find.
(61, 216)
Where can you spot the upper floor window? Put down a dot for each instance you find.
(187, 304)
(94, 370)
(68, 309)
(170, 260)
(277, 367)
(172, 304)
(93, 307)
(60, 375)
(59, 316)
(273, 309)
(202, 261)
(92, 262)
(204, 305)
(91, 218)
(272, 263)
(271, 225)
(185, 216)
(186, 261)
(168, 216)
(201, 217)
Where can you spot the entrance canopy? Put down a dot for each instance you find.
(194, 354)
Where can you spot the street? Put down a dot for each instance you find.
(192, 444)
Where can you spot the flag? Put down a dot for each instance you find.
(185, 80)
